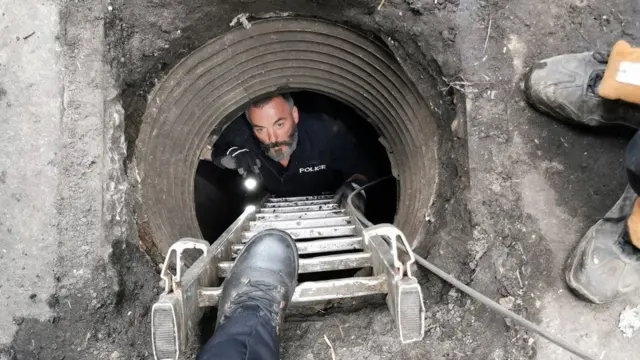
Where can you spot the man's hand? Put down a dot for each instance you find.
(241, 160)
(359, 200)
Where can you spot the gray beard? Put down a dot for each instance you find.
(280, 155)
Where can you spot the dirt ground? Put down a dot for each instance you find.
(520, 188)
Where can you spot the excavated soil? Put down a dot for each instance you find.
(535, 185)
(146, 38)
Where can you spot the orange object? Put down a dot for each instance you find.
(633, 224)
(622, 76)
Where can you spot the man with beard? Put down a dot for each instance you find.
(291, 153)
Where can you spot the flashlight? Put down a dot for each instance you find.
(250, 183)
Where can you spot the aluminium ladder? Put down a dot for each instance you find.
(329, 237)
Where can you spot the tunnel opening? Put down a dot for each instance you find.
(387, 65)
(219, 194)
(327, 67)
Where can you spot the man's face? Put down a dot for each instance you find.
(274, 124)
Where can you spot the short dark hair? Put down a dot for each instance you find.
(261, 101)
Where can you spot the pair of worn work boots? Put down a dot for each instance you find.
(596, 89)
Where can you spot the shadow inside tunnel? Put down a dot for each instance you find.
(220, 196)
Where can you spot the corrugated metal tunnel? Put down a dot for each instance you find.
(211, 86)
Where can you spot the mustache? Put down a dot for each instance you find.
(276, 144)
(288, 143)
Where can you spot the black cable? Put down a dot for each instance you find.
(470, 291)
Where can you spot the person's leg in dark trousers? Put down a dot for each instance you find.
(249, 336)
(632, 163)
(254, 298)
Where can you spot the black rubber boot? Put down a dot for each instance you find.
(264, 275)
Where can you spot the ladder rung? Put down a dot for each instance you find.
(292, 209)
(312, 233)
(318, 263)
(298, 203)
(300, 198)
(318, 246)
(297, 224)
(313, 291)
(300, 215)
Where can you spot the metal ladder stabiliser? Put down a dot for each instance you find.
(404, 299)
(168, 330)
(328, 237)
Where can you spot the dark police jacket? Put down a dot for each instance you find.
(326, 156)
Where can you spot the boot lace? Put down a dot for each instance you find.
(258, 293)
(624, 239)
(596, 77)
(594, 81)
(627, 246)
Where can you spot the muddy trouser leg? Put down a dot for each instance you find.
(632, 162)
(246, 336)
